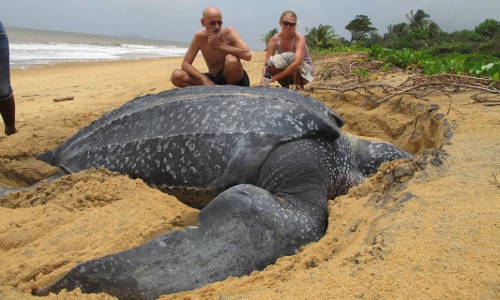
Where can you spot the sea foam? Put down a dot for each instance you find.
(29, 48)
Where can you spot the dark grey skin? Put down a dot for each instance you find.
(271, 158)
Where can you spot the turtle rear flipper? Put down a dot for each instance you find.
(243, 229)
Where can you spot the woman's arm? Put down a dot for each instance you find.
(271, 49)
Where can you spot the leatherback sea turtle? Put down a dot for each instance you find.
(262, 162)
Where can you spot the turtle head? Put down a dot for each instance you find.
(371, 154)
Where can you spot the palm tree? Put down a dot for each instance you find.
(434, 29)
(397, 30)
(266, 38)
(419, 20)
(321, 37)
(395, 34)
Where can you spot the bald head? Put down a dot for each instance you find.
(211, 12)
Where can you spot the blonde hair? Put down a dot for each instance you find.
(290, 13)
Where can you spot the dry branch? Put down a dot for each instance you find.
(341, 72)
(441, 87)
(495, 180)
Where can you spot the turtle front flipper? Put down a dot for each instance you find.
(243, 229)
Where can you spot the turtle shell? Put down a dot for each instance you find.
(196, 141)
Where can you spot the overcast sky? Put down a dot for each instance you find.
(177, 20)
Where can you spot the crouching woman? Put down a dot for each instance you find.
(287, 58)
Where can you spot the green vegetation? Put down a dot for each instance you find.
(361, 73)
(477, 65)
(360, 27)
(267, 37)
(418, 44)
(323, 37)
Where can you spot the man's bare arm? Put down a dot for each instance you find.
(237, 47)
(187, 62)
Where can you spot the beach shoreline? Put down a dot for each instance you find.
(32, 47)
(69, 64)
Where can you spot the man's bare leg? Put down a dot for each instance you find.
(181, 78)
(233, 70)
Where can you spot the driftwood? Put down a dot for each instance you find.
(65, 98)
(355, 72)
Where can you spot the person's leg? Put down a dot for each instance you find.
(233, 70)
(181, 78)
(245, 81)
(297, 79)
(8, 112)
(7, 102)
(284, 82)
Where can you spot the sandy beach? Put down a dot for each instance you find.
(425, 229)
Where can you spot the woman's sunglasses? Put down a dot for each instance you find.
(286, 23)
(215, 22)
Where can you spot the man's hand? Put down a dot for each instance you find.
(214, 39)
(207, 81)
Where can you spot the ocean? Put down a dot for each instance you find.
(33, 47)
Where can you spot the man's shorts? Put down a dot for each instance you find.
(220, 80)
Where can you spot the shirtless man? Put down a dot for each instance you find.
(222, 49)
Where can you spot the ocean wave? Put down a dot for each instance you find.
(28, 54)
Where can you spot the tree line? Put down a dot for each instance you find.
(420, 32)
